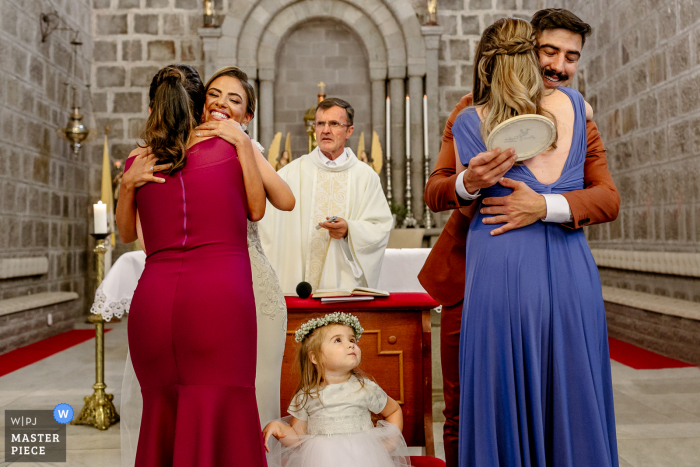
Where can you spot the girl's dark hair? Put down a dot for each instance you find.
(242, 77)
(173, 114)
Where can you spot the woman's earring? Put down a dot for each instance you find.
(244, 126)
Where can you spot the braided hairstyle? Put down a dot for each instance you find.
(176, 103)
(507, 73)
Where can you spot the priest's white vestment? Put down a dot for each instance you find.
(299, 252)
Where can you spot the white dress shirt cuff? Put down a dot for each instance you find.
(461, 191)
(558, 210)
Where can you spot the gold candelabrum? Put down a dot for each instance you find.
(310, 117)
(99, 411)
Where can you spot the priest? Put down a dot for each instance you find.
(337, 233)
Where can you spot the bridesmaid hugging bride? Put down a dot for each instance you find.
(207, 296)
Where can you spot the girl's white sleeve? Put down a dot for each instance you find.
(377, 397)
(298, 412)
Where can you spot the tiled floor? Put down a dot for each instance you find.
(658, 411)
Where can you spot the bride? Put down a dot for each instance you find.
(228, 100)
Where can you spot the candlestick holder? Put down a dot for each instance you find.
(99, 411)
(428, 215)
(409, 221)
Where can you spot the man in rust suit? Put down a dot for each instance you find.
(560, 37)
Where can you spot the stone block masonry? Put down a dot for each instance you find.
(44, 192)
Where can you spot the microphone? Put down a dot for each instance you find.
(304, 289)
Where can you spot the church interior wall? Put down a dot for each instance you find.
(641, 72)
(321, 51)
(43, 187)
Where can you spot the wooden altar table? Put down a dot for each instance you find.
(395, 352)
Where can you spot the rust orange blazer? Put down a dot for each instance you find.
(442, 275)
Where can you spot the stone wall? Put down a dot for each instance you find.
(133, 40)
(43, 188)
(641, 72)
(339, 60)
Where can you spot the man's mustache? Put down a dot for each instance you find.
(554, 74)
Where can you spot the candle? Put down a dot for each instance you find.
(100, 217)
(425, 126)
(388, 128)
(408, 127)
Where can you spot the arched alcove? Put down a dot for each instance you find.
(314, 51)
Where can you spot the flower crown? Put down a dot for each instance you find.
(346, 319)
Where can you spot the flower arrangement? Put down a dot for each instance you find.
(338, 317)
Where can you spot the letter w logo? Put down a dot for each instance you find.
(63, 413)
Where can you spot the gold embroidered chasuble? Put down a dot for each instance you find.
(300, 252)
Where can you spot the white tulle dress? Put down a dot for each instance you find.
(340, 432)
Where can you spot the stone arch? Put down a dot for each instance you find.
(263, 29)
(394, 20)
(364, 29)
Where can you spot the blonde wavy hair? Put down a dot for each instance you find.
(508, 79)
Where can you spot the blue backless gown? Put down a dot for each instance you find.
(534, 363)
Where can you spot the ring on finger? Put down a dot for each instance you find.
(152, 167)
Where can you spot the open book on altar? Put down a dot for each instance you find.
(357, 291)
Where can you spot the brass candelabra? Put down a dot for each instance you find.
(99, 411)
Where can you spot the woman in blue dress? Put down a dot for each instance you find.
(535, 376)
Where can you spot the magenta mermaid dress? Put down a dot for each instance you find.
(192, 324)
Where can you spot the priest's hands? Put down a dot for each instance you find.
(337, 229)
(519, 209)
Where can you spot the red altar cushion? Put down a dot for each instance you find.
(424, 461)
(396, 301)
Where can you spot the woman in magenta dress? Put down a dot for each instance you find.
(193, 335)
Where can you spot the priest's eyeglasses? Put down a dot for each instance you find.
(332, 124)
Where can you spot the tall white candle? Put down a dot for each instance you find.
(100, 217)
(425, 126)
(408, 127)
(388, 128)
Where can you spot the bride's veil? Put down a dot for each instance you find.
(130, 417)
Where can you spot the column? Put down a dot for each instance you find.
(210, 46)
(397, 93)
(432, 34)
(379, 119)
(415, 92)
(266, 107)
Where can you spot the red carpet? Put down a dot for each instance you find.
(32, 353)
(641, 359)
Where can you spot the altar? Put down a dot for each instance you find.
(396, 352)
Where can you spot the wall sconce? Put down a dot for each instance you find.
(209, 14)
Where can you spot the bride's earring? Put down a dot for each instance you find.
(244, 126)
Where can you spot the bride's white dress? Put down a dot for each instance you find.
(271, 313)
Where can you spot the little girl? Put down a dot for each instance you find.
(330, 422)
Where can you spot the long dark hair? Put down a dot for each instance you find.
(176, 102)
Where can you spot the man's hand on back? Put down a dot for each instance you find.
(519, 209)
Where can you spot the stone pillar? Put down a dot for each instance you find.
(432, 34)
(378, 103)
(266, 107)
(210, 45)
(415, 92)
(397, 93)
